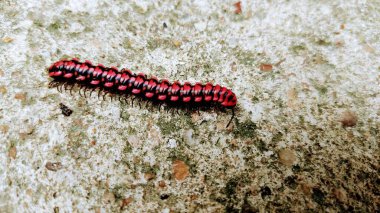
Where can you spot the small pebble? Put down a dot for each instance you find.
(341, 195)
(4, 128)
(28, 129)
(53, 166)
(306, 188)
(164, 196)
(177, 43)
(162, 184)
(188, 137)
(108, 197)
(172, 143)
(348, 119)
(237, 7)
(180, 170)
(12, 153)
(3, 90)
(126, 202)
(287, 157)
(193, 197)
(20, 96)
(7, 39)
(233, 66)
(133, 140)
(65, 110)
(266, 67)
(149, 176)
(265, 192)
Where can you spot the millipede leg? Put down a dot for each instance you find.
(132, 101)
(233, 115)
(149, 106)
(125, 99)
(154, 107)
(84, 91)
(65, 86)
(52, 84)
(99, 93)
(159, 107)
(92, 91)
(71, 89)
(104, 95)
(59, 88)
(80, 91)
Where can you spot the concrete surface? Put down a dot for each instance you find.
(306, 135)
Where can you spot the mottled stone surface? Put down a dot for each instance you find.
(306, 74)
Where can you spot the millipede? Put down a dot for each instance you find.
(126, 83)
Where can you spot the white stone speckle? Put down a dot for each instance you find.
(172, 143)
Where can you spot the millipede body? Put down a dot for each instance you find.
(124, 82)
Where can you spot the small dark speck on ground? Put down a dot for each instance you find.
(291, 182)
(265, 192)
(164, 196)
(318, 196)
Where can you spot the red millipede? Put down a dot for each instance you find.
(124, 82)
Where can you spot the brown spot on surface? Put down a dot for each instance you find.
(12, 152)
(306, 188)
(180, 170)
(4, 128)
(20, 96)
(177, 43)
(234, 143)
(287, 157)
(292, 98)
(7, 39)
(125, 202)
(341, 195)
(53, 166)
(193, 197)
(3, 89)
(108, 197)
(27, 129)
(266, 67)
(368, 48)
(149, 176)
(238, 7)
(162, 184)
(348, 119)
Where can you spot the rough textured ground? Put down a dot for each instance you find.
(306, 135)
